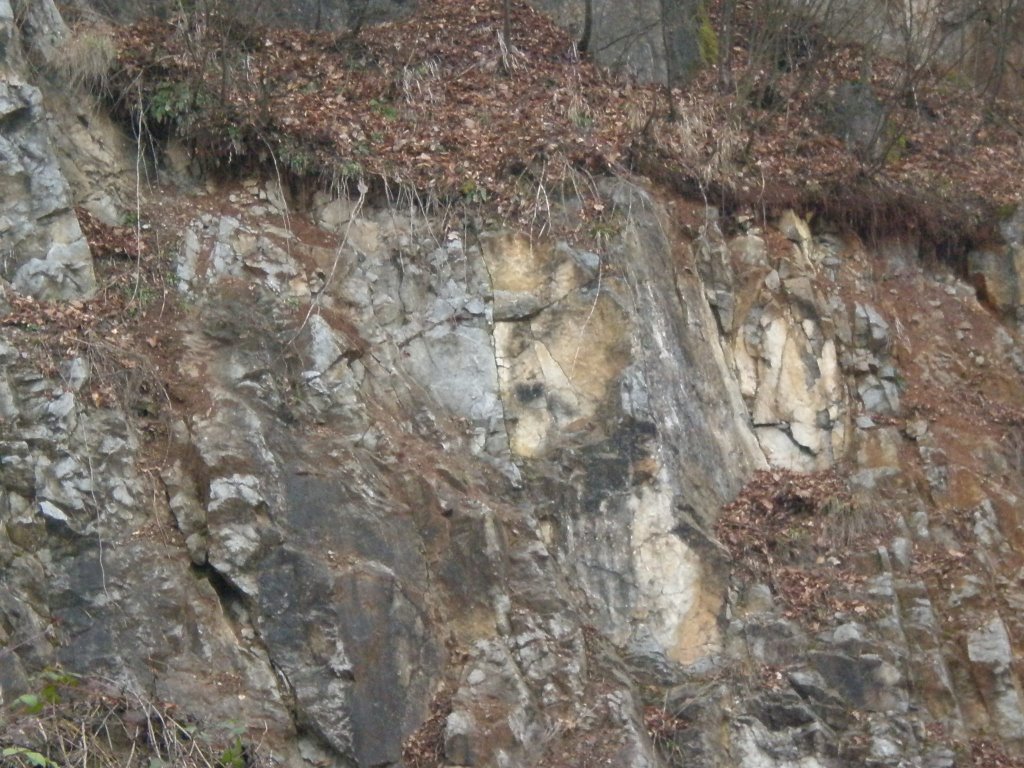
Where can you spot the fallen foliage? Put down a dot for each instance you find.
(985, 754)
(433, 102)
(436, 102)
(106, 241)
(775, 507)
(64, 317)
(424, 747)
(797, 533)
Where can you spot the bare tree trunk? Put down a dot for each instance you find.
(679, 20)
(679, 25)
(725, 38)
(1008, 16)
(356, 17)
(588, 26)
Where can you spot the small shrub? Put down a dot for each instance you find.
(91, 721)
(472, 192)
(23, 756)
(296, 158)
(171, 102)
(385, 110)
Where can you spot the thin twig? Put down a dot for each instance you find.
(583, 329)
(138, 202)
(315, 303)
(99, 520)
(280, 191)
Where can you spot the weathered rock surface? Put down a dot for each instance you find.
(46, 255)
(488, 469)
(997, 270)
(809, 363)
(494, 352)
(416, 479)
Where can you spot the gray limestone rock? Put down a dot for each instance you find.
(47, 254)
(988, 648)
(996, 275)
(870, 329)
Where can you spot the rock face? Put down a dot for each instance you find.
(997, 270)
(421, 465)
(808, 360)
(46, 255)
(49, 256)
(474, 381)
(430, 493)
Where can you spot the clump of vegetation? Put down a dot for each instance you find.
(435, 103)
(87, 58)
(72, 720)
(664, 730)
(707, 37)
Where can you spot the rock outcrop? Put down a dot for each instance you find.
(382, 486)
(997, 270)
(45, 254)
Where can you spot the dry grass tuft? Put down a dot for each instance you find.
(88, 57)
(73, 720)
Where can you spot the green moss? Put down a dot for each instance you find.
(473, 193)
(707, 38)
(1005, 211)
(896, 150)
(385, 110)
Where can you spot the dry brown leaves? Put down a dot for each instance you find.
(810, 594)
(985, 754)
(432, 101)
(107, 241)
(124, 332)
(774, 506)
(661, 725)
(64, 325)
(424, 748)
(943, 162)
(435, 102)
(945, 566)
(62, 316)
(795, 532)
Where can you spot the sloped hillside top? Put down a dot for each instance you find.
(438, 102)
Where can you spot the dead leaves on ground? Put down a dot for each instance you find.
(985, 754)
(435, 101)
(63, 316)
(797, 533)
(106, 241)
(424, 747)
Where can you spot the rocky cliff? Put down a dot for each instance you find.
(350, 478)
